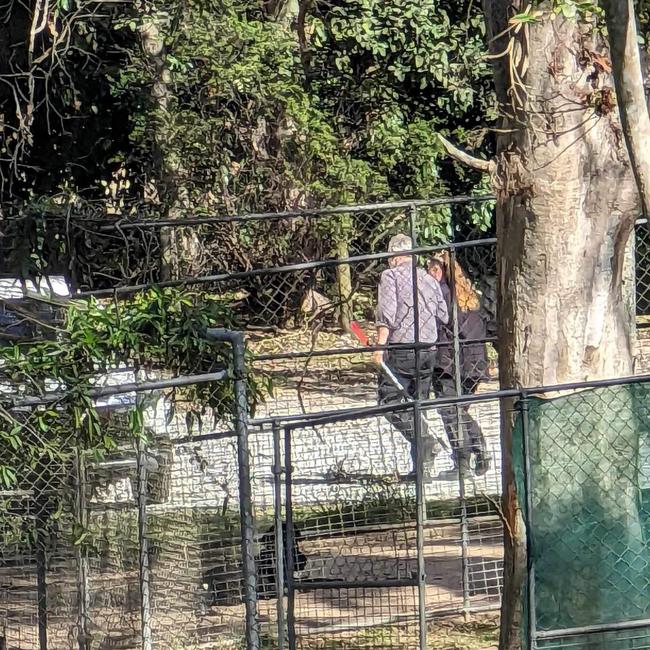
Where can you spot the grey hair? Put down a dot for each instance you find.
(400, 243)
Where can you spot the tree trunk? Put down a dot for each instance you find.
(179, 248)
(285, 11)
(566, 210)
(630, 91)
(344, 287)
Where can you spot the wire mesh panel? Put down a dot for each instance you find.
(40, 588)
(463, 530)
(352, 506)
(193, 535)
(642, 255)
(113, 580)
(588, 478)
(19, 604)
(132, 547)
(351, 515)
(196, 567)
(110, 567)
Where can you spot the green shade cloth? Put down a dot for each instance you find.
(590, 522)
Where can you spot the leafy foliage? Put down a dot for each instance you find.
(210, 106)
(261, 121)
(231, 106)
(228, 108)
(159, 330)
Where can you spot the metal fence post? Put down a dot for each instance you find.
(288, 499)
(83, 588)
(420, 497)
(143, 541)
(245, 495)
(237, 341)
(530, 565)
(420, 503)
(279, 537)
(41, 568)
(462, 441)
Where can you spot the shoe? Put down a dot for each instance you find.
(482, 464)
(453, 474)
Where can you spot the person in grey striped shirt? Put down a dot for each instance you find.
(395, 320)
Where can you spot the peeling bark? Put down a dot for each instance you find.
(479, 164)
(630, 91)
(566, 209)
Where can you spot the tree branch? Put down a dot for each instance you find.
(304, 7)
(630, 91)
(485, 166)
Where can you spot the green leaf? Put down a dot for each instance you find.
(79, 540)
(569, 10)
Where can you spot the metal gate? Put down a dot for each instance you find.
(354, 542)
(357, 553)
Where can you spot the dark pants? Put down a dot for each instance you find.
(470, 437)
(403, 365)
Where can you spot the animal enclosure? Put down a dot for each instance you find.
(145, 548)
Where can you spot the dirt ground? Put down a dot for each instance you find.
(481, 633)
(353, 618)
(357, 618)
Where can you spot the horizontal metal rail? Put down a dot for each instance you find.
(321, 585)
(592, 629)
(275, 270)
(125, 224)
(328, 417)
(333, 352)
(299, 214)
(297, 421)
(109, 391)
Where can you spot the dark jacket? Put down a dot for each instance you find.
(473, 356)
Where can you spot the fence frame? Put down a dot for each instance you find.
(284, 575)
(252, 629)
(287, 424)
(534, 635)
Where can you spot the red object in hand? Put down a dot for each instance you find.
(359, 333)
(363, 339)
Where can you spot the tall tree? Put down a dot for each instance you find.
(630, 90)
(566, 208)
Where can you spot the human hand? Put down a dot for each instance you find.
(378, 357)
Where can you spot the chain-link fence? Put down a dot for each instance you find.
(130, 547)
(363, 553)
(642, 255)
(585, 478)
(370, 546)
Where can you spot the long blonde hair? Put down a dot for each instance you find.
(466, 296)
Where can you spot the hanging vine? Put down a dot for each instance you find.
(160, 331)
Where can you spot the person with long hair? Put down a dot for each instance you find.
(467, 439)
